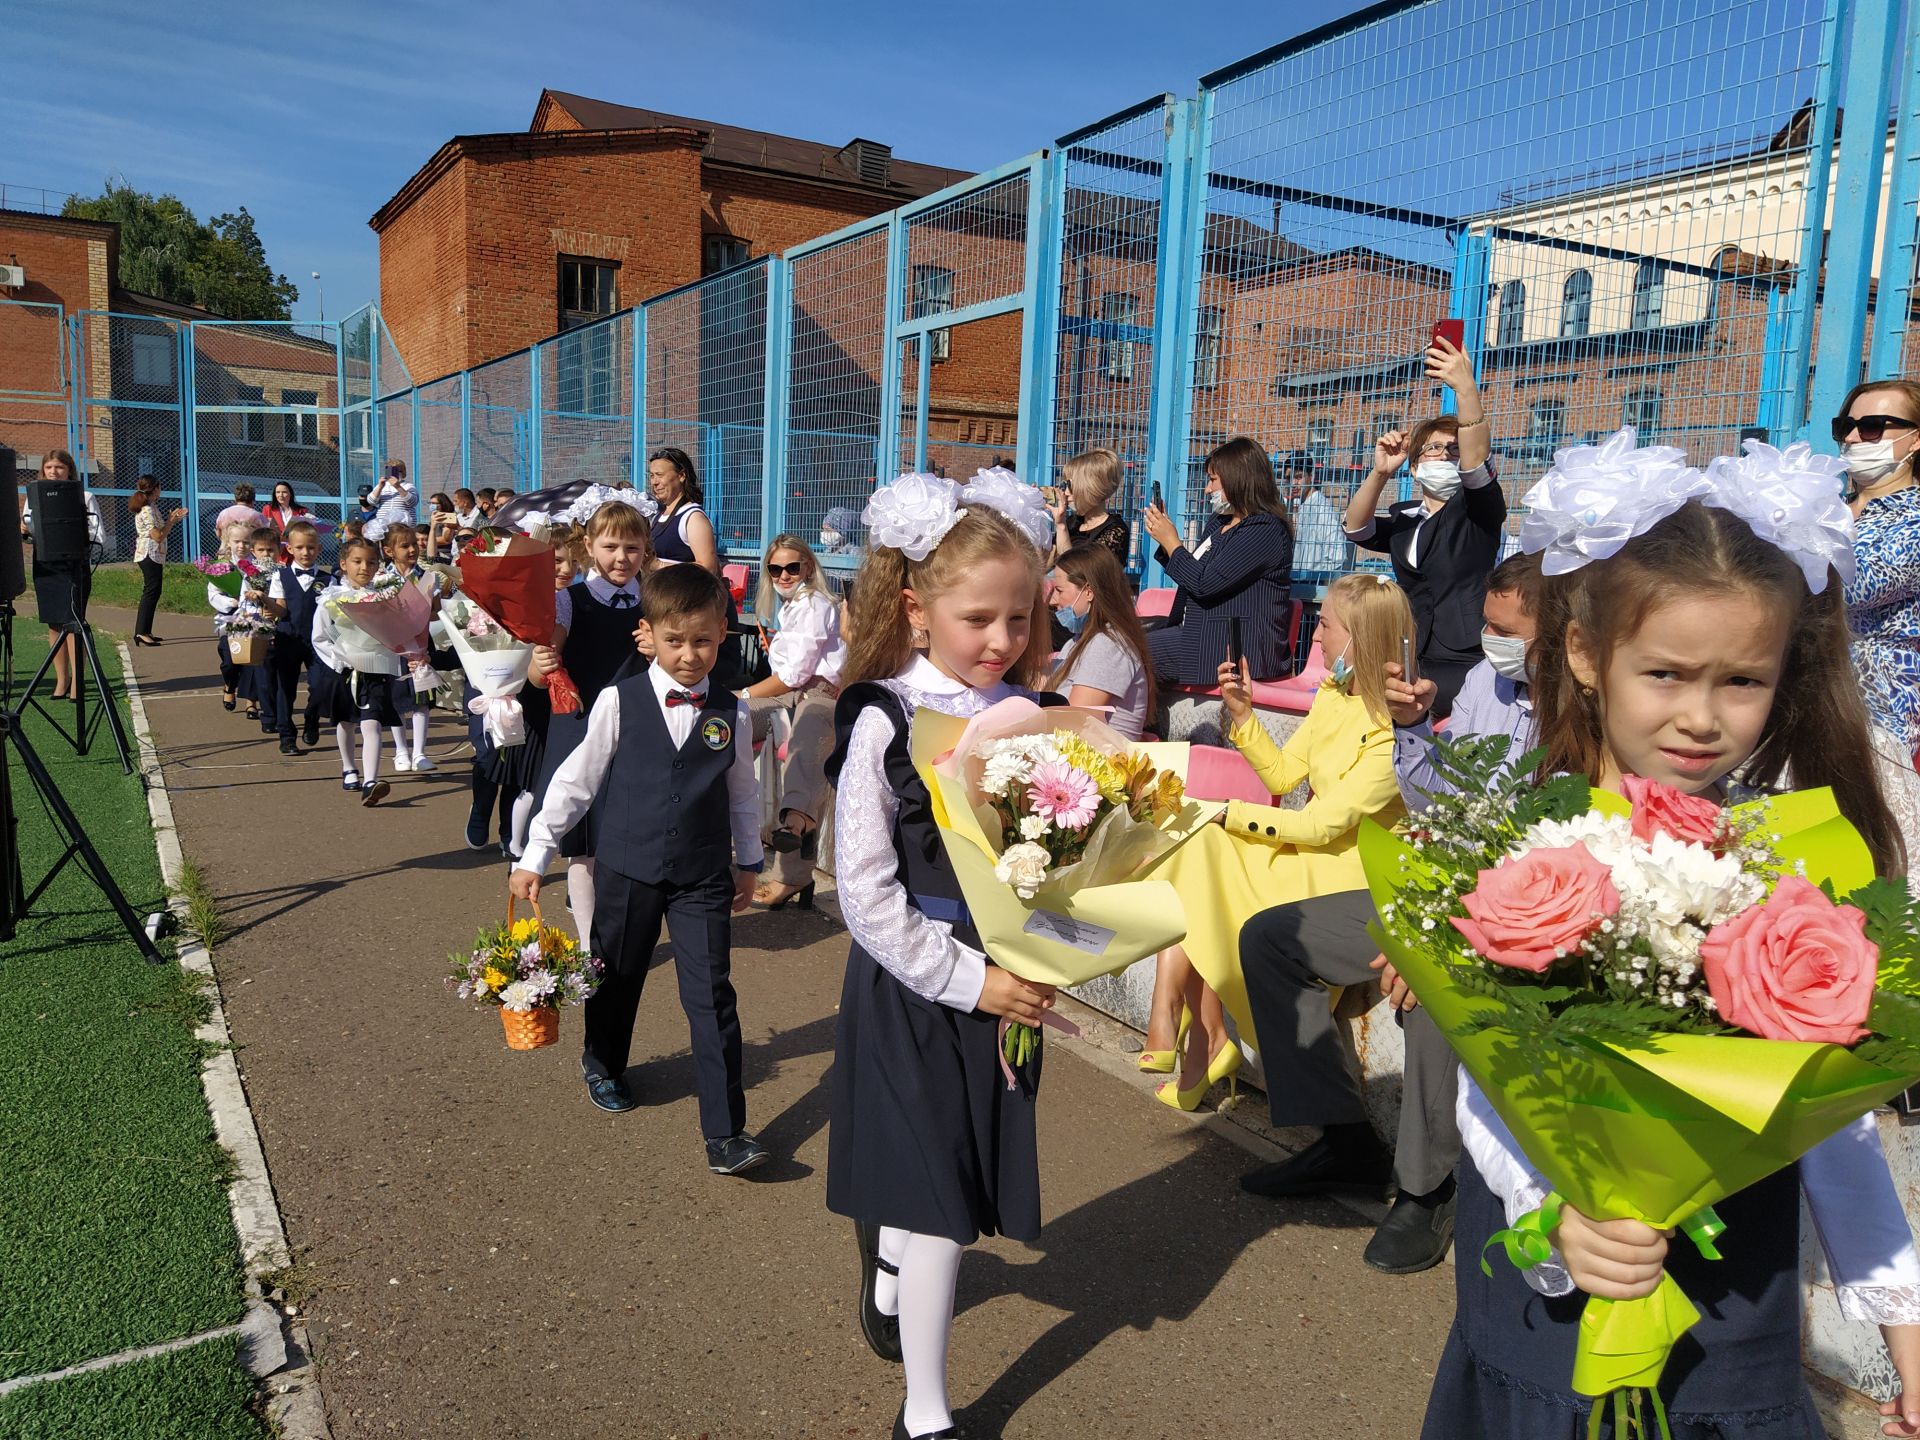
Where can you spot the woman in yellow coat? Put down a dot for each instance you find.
(1262, 855)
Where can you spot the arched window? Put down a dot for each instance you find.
(1576, 305)
(1513, 313)
(1649, 294)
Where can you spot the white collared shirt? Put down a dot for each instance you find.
(571, 792)
(304, 578)
(603, 590)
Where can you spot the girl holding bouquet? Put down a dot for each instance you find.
(1264, 855)
(1699, 655)
(928, 1148)
(400, 546)
(595, 638)
(353, 692)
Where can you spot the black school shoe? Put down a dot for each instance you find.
(372, 792)
(1322, 1167)
(900, 1431)
(1415, 1235)
(735, 1155)
(882, 1332)
(310, 730)
(287, 747)
(609, 1094)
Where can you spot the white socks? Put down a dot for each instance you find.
(399, 746)
(522, 823)
(419, 720)
(343, 737)
(929, 1268)
(580, 899)
(369, 751)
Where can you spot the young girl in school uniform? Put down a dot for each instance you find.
(928, 1148)
(400, 546)
(355, 693)
(596, 620)
(1698, 655)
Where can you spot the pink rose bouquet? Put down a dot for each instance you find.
(1665, 999)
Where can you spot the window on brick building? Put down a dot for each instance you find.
(247, 427)
(1649, 294)
(1513, 313)
(1576, 305)
(1119, 309)
(153, 359)
(1206, 348)
(721, 252)
(1320, 438)
(933, 295)
(589, 291)
(583, 364)
(302, 430)
(1641, 409)
(1546, 427)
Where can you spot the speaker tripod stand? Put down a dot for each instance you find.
(86, 661)
(16, 902)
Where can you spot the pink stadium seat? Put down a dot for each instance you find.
(1217, 774)
(735, 574)
(1153, 603)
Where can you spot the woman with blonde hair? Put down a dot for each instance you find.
(1088, 483)
(1263, 855)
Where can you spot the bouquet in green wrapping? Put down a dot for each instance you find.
(1665, 1000)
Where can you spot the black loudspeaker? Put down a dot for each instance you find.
(13, 563)
(59, 522)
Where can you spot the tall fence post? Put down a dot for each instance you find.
(637, 458)
(1182, 265)
(773, 436)
(1040, 336)
(1467, 301)
(886, 464)
(535, 365)
(188, 391)
(466, 430)
(1894, 295)
(1856, 203)
(339, 414)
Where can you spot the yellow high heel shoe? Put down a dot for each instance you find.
(1161, 1062)
(1224, 1066)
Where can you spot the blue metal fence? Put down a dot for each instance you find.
(1625, 205)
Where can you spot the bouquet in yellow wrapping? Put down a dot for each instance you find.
(1047, 814)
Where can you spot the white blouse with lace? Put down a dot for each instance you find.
(807, 645)
(918, 952)
(1856, 1210)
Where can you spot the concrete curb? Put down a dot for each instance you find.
(274, 1343)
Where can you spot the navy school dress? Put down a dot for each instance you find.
(924, 1134)
(518, 767)
(1507, 1367)
(598, 649)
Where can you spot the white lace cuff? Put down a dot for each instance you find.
(1880, 1304)
(1550, 1276)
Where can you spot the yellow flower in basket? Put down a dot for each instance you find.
(492, 978)
(524, 930)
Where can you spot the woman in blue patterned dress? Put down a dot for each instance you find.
(1878, 431)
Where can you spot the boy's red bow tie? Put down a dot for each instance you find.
(681, 697)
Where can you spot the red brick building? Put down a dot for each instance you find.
(501, 240)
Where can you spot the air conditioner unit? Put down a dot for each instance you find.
(12, 277)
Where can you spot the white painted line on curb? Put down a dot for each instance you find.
(294, 1403)
(122, 1357)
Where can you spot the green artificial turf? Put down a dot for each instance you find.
(199, 1393)
(116, 1229)
(183, 589)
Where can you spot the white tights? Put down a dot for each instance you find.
(922, 1296)
(343, 737)
(580, 899)
(522, 822)
(369, 751)
(417, 722)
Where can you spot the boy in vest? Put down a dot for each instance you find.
(292, 596)
(667, 769)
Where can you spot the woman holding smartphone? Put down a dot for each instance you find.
(1446, 540)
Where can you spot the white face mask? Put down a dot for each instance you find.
(1218, 500)
(1507, 654)
(787, 589)
(1869, 463)
(1439, 478)
(829, 539)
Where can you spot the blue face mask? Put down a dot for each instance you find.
(1341, 671)
(1069, 619)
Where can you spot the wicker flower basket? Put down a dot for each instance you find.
(248, 649)
(530, 1029)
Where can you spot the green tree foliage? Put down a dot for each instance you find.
(167, 251)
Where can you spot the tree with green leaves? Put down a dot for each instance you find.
(167, 251)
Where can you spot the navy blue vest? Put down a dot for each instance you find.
(301, 604)
(663, 815)
(599, 642)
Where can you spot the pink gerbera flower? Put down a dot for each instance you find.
(1063, 795)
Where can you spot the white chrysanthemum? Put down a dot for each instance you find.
(1675, 880)
(518, 996)
(1010, 762)
(1024, 867)
(1608, 838)
(1032, 827)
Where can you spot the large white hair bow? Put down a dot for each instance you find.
(1792, 500)
(595, 497)
(913, 514)
(1020, 502)
(1598, 497)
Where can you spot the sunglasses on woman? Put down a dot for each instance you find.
(1871, 427)
(797, 570)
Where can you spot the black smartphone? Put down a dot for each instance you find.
(1407, 671)
(1156, 501)
(1234, 653)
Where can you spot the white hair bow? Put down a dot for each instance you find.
(1792, 500)
(595, 497)
(915, 512)
(1598, 497)
(1002, 490)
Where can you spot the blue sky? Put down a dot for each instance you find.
(313, 115)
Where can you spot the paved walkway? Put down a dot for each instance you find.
(488, 1255)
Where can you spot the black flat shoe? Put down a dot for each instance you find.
(881, 1331)
(609, 1094)
(1414, 1236)
(287, 747)
(735, 1155)
(1323, 1167)
(310, 731)
(900, 1431)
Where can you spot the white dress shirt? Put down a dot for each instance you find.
(603, 590)
(571, 791)
(919, 952)
(305, 578)
(807, 646)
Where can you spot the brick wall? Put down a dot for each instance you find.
(69, 263)
(772, 214)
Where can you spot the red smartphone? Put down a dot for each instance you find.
(1454, 332)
